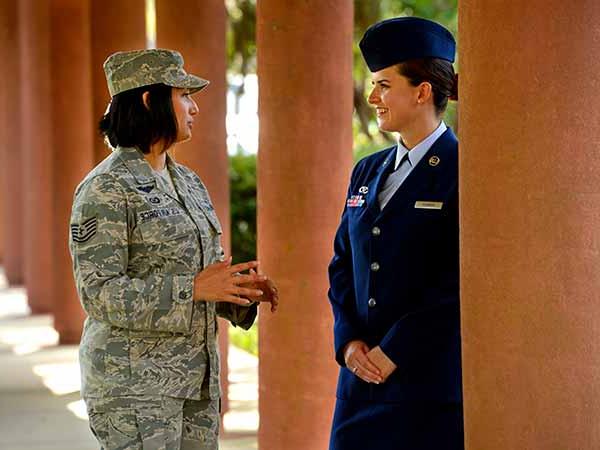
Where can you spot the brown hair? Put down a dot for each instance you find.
(129, 123)
(437, 72)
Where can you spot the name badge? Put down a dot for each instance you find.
(428, 205)
(355, 201)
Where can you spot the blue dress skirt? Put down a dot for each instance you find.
(364, 425)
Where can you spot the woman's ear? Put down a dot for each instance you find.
(424, 92)
(146, 99)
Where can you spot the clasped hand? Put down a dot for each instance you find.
(370, 365)
(223, 282)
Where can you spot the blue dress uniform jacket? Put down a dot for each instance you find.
(394, 281)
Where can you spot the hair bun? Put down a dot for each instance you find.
(454, 93)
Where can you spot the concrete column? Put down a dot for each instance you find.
(73, 146)
(305, 158)
(530, 224)
(196, 28)
(38, 159)
(11, 174)
(117, 25)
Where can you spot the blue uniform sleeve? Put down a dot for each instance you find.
(341, 288)
(422, 332)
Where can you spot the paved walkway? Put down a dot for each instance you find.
(40, 406)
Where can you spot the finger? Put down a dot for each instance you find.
(366, 365)
(237, 300)
(247, 292)
(246, 279)
(367, 375)
(369, 365)
(242, 267)
(252, 272)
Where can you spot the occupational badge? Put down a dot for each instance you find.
(434, 161)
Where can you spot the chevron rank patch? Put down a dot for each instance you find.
(85, 231)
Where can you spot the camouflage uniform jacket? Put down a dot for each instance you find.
(136, 248)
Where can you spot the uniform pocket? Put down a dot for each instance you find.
(116, 430)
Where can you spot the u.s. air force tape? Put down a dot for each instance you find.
(85, 231)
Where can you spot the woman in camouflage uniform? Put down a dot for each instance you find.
(150, 269)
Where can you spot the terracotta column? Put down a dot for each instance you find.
(38, 159)
(530, 224)
(11, 174)
(72, 145)
(196, 28)
(116, 25)
(305, 158)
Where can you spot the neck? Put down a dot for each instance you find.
(419, 130)
(157, 157)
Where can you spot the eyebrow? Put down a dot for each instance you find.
(383, 80)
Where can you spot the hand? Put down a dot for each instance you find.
(268, 288)
(381, 360)
(221, 282)
(355, 356)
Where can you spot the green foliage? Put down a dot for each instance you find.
(246, 340)
(242, 177)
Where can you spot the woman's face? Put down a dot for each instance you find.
(185, 108)
(394, 98)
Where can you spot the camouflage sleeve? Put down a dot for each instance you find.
(239, 316)
(99, 247)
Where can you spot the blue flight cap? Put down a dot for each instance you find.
(399, 39)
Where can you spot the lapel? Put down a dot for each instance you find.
(421, 179)
(384, 169)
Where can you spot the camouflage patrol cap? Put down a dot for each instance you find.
(137, 68)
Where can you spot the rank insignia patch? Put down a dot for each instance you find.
(85, 231)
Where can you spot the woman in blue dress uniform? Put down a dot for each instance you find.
(394, 277)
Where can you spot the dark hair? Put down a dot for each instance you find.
(129, 123)
(437, 72)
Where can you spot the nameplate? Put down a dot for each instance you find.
(428, 205)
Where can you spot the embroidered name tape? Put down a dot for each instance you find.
(428, 205)
(355, 201)
(156, 213)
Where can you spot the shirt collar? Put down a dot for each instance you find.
(419, 150)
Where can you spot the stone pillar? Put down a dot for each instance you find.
(73, 146)
(38, 158)
(117, 25)
(11, 170)
(196, 28)
(304, 164)
(530, 224)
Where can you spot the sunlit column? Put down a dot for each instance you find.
(305, 158)
(38, 157)
(11, 169)
(530, 223)
(72, 144)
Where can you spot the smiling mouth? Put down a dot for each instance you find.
(380, 111)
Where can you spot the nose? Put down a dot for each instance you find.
(194, 108)
(373, 96)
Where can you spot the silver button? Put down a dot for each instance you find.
(374, 267)
(372, 303)
(375, 231)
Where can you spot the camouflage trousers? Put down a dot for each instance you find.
(162, 423)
